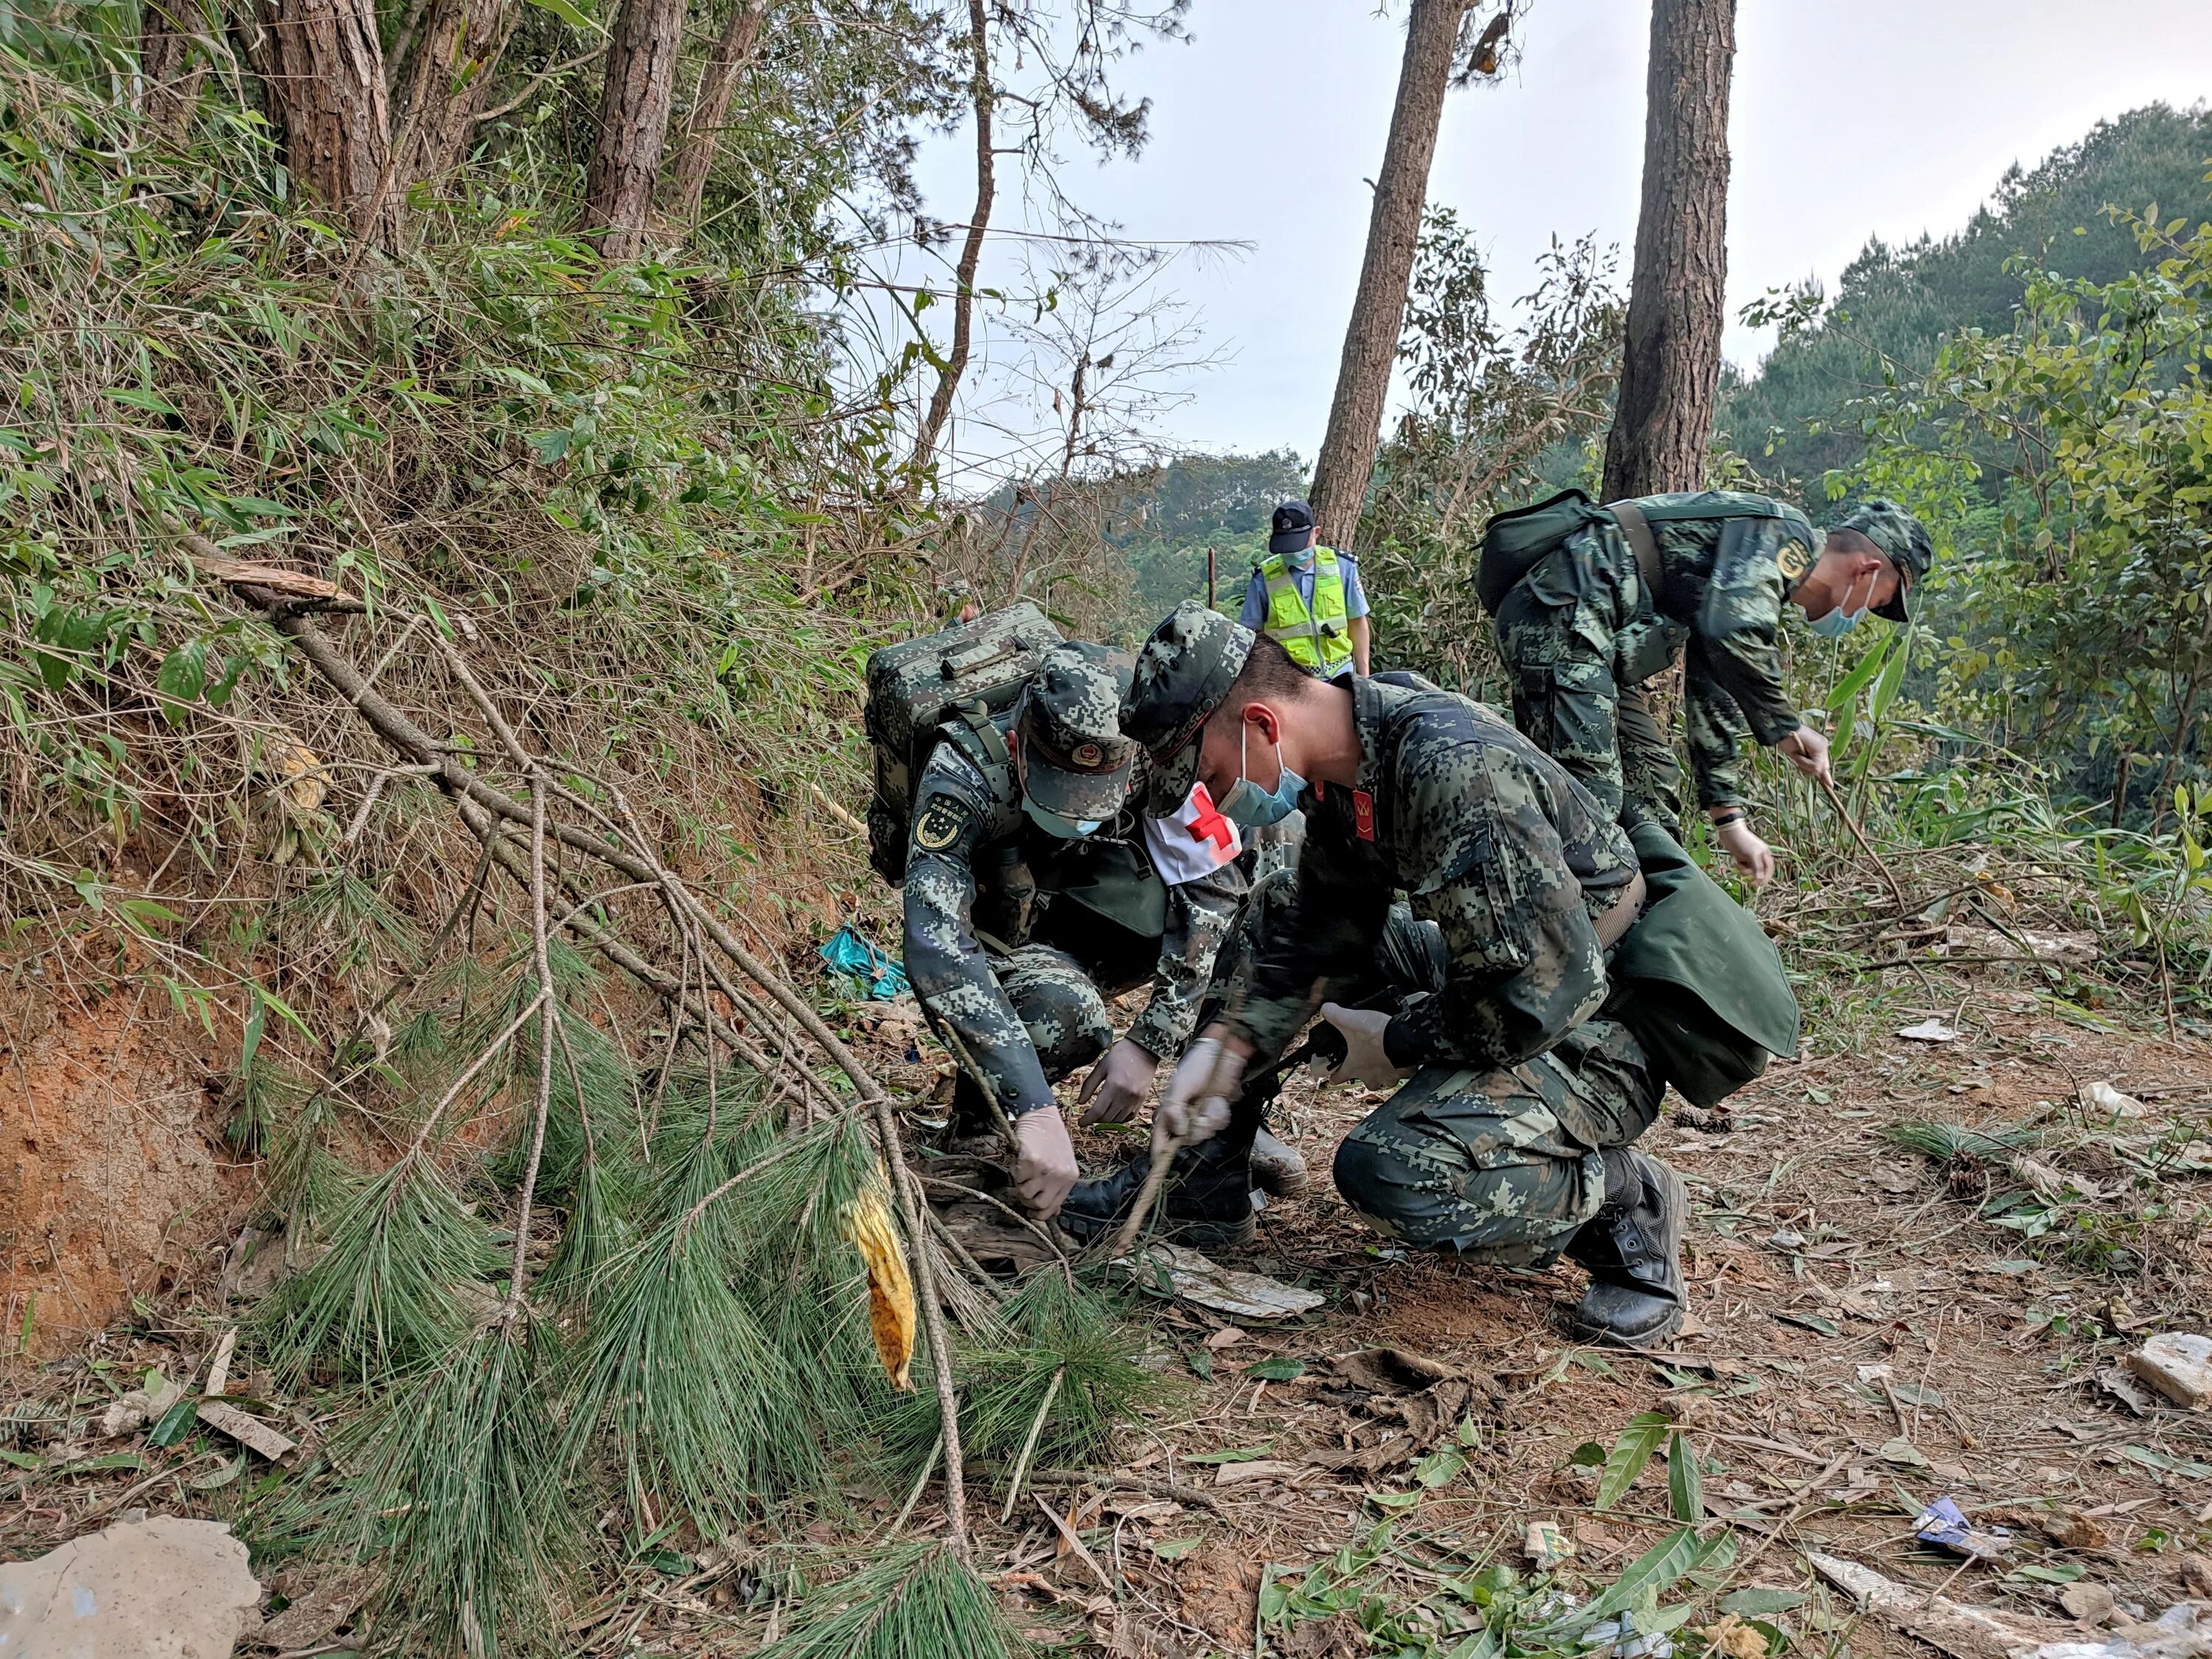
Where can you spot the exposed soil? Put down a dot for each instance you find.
(113, 1169)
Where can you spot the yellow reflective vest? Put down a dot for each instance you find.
(1319, 640)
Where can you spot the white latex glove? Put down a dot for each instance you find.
(1808, 752)
(1118, 1084)
(1753, 856)
(1044, 1161)
(1194, 1106)
(1364, 1061)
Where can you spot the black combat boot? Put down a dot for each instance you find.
(1633, 1250)
(1209, 1195)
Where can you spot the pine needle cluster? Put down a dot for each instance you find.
(685, 1337)
(908, 1602)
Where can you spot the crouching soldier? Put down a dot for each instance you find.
(1035, 891)
(1584, 967)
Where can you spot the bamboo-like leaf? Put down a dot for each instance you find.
(1652, 1574)
(1685, 1487)
(1847, 689)
(1629, 1453)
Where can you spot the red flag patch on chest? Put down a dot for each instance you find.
(1363, 814)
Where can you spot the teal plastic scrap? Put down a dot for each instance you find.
(877, 975)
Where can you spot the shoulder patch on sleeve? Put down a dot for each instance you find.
(943, 820)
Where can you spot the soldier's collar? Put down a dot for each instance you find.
(1372, 701)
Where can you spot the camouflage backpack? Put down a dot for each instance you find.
(968, 672)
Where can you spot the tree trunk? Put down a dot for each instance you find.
(445, 80)
(170, 72)
(1394, 228)
(971, 250)
(633, 111)
(1670, 377)
(323, 66)
(710, 110)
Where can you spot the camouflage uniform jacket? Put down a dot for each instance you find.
(1723, 580)
(1490, 840)
(979, 872)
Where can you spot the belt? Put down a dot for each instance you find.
(1613, 925)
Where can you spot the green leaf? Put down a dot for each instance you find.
(1850, 686)
(111, 1461)
(2041, 1575)
(1281, 1367)
(1629, 1453)
(1200, 1361)
(1762, 1601)
(1173, 1549)
(570, 14)
(1394, 1500)
(1240, 1455)
(182, 678)
(176, 1423)
(1440, 1467)
(1653, 1573)
(21, 1460)
(1588, 1455)
(1685, 1487)
(223, 1476)
(1812, 1322)
(1892, 676)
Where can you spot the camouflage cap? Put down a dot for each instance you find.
(1075, 761)
(1900, 538)
(1184, 669)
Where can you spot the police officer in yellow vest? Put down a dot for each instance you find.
(1309, 599)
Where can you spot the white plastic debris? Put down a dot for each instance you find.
(2105, 1098)
(177, 1589)
(1929, 1030)
(2179, 1364)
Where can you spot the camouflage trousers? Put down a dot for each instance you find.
(1502, 1167)
(1059, 1006)
(1578, 641)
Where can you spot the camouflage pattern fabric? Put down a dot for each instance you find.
(1579, 634)
(1491, 841)
(1491, 1148)
(980, 885)
(1502, 1167)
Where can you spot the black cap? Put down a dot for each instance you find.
(1075, 760)
(1293, 522)
(1183, 674)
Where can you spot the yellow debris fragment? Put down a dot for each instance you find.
(866, 1225)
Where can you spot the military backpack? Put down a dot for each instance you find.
(966, 673)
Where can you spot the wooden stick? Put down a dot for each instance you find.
(1858, 835)
(1163, 1155)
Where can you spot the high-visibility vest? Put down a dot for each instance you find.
(1319, 639)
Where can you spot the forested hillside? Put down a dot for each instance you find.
(468, 1143)
(1893, 306)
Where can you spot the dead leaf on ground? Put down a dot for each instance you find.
(1426, 1398)
(1337, 1636)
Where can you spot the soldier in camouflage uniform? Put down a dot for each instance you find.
(1508, 1141)
(1031, 897)
(1581, 632)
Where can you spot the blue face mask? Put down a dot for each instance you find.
(1053, 825)
(1301, 560)
(1250, 807)
(1839, 622)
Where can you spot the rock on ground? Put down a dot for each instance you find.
(163, 1588)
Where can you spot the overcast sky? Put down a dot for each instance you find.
(1887, 118)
